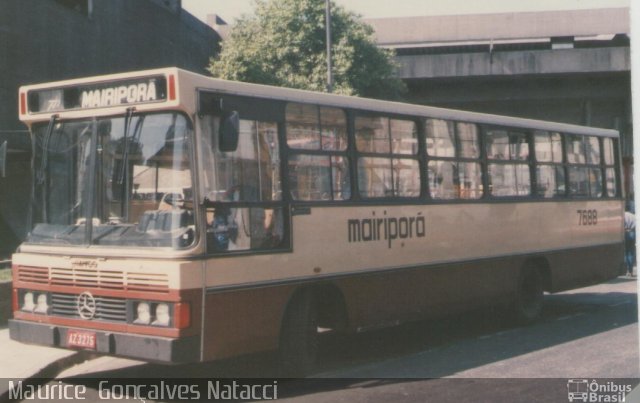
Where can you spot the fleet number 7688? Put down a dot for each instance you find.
(587, 217)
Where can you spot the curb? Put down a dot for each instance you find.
(50, 371)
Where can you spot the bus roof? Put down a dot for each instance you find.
(176, 89)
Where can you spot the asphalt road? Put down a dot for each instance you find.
(587, 333)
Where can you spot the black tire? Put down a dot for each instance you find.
(299, 336)
(529, 296)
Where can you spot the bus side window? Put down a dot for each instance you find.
(550, 177)
(453, 170)
(244, 228)
(318, 165)
(584, 166)
(608, 152)
(508, 168)
(242, 189)
(387, 163)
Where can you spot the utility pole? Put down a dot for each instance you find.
(328, 26)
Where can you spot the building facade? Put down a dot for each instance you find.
(48, 40)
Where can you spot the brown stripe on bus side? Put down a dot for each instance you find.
(244, 321)
(248, 320)
(388, 298)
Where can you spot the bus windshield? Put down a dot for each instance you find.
(122, 181)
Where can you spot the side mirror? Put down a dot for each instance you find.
(3, 160)
(229, 132)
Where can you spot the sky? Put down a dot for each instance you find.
(229, 10)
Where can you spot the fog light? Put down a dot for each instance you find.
(143, 314)
(163, 316)
(28, 304)
(42, 306)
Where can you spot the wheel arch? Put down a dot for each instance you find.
(331, 304)
(544, 268)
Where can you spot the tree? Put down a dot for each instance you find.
(284, 44)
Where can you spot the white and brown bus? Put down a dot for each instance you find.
(180, 218)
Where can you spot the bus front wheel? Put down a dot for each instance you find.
(299, 336)
(529, 296)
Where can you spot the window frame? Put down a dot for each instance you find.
(418, 156)
(480, 159)
(614, 166)
(254, 109)
(273, 110)
(289, 152)
(599, 165)
(562, 164)
(526, 162)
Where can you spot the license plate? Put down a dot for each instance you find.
(82, 339)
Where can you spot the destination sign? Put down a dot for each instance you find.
(98, 95)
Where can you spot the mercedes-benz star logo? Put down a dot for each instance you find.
(86, 305)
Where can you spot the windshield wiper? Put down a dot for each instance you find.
(125, 161)
(125, 153)
(123, 179)
(41, 175)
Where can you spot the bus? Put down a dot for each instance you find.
(181, 218)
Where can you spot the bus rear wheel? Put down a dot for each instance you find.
(529, 295)
(299, 336)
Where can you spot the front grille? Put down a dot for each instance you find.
(107, 308)
(110, 279)
(38, 275)
(95, 278)
(88, 278)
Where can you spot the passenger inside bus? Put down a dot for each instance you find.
(241, 228)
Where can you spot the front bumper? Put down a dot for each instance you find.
(149, 348)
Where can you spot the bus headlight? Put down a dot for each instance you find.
(28, 304)
(143, 314)
(162, 315)
(41, 305)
